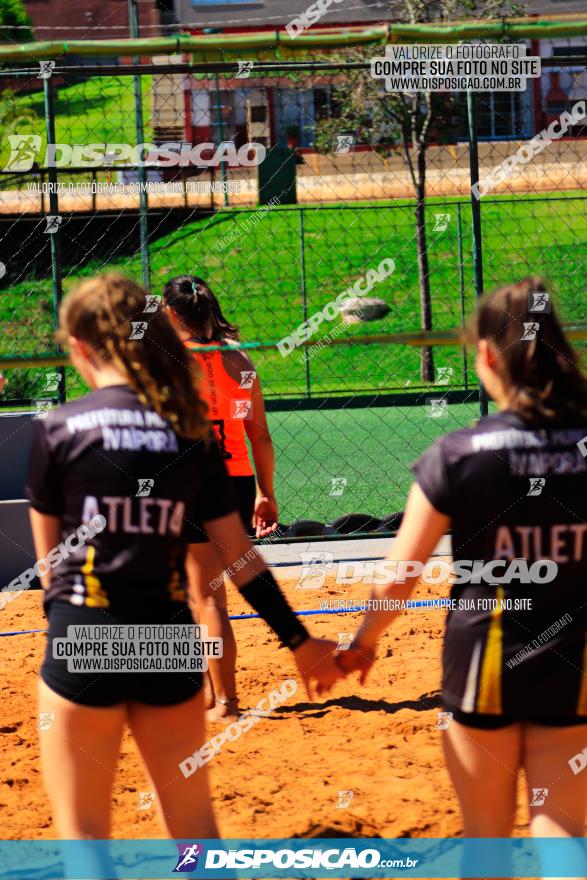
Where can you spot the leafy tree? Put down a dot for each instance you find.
(13, 14)
(409, 123)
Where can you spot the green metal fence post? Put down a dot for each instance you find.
(462, 289)
(55, 235)
(220, 131)
(304, 297)
(140, 136)
(476, 220)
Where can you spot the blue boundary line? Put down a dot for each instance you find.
(413, 604)
(299, 563)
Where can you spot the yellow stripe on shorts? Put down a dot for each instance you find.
(95, 595)
(489, 696)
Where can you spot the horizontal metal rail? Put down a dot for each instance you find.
(418, 339)
(260, 68)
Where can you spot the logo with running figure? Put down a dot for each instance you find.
(538, 301)
(51, 382)
(315, 567)
(145, 486)
(443, 375)
(530, 331)
(241, 409)
(539, 795)
(146, 800)
(153, 303)
(247, 378)
(344, 799)
(53, 222)
(24, 149)
(437, 407)
(441, 222)
(339, 484)
(187, 861)
(244, 69)
(444, 719)
(46, 69)
(46, 720)
(139, 328)
(42, 409)
(537, 484)
(344, 143)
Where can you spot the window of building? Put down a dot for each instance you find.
(228, 2)
(559, 51)
(500, 115)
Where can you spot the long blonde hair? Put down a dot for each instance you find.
(101, 312)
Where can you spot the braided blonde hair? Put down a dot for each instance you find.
(101, 311)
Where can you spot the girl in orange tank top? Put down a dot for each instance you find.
(231, 388)
(230, 403)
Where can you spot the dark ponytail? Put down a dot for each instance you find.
(198, 309)
(101, 312)
(538, 366)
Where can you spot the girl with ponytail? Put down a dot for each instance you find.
(132, 473)
(233, 392)
(513, 491)
(518, 333)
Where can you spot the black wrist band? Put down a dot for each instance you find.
(266, 598)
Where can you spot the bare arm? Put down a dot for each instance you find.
(46, 535)
(421, 529)
(261, 443)
(242, 561)
(244, 565)
(265, 517)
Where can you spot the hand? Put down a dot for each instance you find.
(265, 516)
(315, 660)
(358, 658)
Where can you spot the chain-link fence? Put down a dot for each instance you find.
(299, 192)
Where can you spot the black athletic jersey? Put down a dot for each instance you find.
(517, 494)
(108, 455)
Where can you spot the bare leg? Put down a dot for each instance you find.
(483, 766)
(547, 752)
(209, 595)
(166, 736)
(79, 753)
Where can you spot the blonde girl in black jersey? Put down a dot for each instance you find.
(141, 421)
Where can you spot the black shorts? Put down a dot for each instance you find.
(496, 722)
(245, 490)
(112, 688)
(546, 686)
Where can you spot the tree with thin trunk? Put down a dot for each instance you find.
(407, 122)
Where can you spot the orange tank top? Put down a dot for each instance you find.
(230, 405)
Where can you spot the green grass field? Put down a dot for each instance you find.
(370, 448)
(260, 278)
